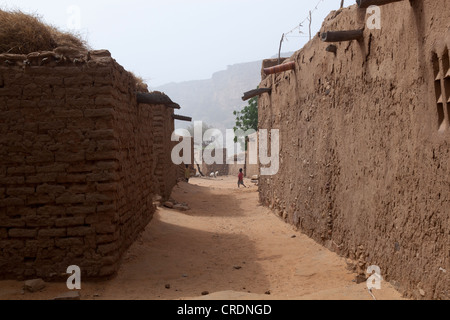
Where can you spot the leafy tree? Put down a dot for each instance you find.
(247, 119)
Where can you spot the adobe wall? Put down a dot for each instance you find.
(181, 169)
(246, 160)
(77, 165)
(222, 168)
(165, 172)
(365, 147)
(252, 169)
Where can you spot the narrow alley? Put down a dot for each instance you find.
(226, 247)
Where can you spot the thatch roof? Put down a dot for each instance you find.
(21, 33)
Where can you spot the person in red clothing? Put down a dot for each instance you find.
(241, 179)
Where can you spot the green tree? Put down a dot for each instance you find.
(247, 119)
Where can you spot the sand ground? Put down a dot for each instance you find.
(227, 245)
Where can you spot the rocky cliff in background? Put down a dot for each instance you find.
(214, 100)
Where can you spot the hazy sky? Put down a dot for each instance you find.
(179, 40)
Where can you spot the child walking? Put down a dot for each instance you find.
(241, 179)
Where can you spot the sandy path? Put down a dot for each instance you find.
(227, 245)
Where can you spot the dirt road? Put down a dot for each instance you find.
(227, 245)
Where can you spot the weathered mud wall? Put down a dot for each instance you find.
(252, 157)
(181, 169)
(165, 171)
(247, 161)
(365, 144)
(222, 167)
(77, 164)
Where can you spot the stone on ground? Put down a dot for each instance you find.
(34, 285)
(169, 205)
(181, 207)
(71, 295)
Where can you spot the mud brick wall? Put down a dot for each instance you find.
(365, 144)
(222, 168)
(135, 160)
(181, 169)
(165, 171)
(76, 165)
(250, 169)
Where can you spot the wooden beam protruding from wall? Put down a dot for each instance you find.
(156, 98)
(338, 36)
(182, 118)
(280, 68)
(364, 4)
(256, 92)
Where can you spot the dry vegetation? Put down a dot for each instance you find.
(21, 33)
(141, 85)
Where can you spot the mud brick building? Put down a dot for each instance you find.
(80, 164)
(365, 143)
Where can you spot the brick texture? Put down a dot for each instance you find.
(80, 164)
(364, 161)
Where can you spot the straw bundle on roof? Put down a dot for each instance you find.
(21, 33)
